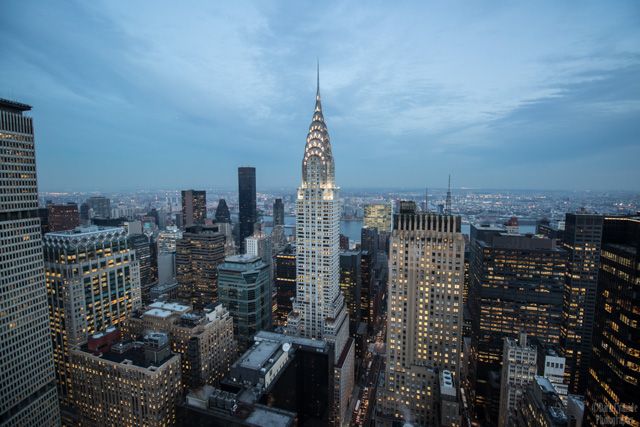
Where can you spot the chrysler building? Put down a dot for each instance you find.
(319, 310)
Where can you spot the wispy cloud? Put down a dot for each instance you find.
(198, 90)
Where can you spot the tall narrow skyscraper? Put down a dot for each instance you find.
(194, 207)
(582, 239)
(27, 389)
(319, 310)
(424, 331)
(614, 373)
(278, 212)
(247, 216)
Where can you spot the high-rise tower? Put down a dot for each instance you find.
(319, 310)
(247, 215)
(27, 389)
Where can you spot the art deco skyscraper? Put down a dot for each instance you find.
(319, 310)
(424, 331)
(27, 389)
(247, 215)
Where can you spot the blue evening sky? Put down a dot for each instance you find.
(169, 94)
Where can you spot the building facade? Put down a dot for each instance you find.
(278, 212)
(63, 217)
(285, 285)
(614, 374)
(247, 215)
(350, 285)
(127, 383)
(378, 216)
(100, 205)
(194, 207)
(516, 284)
(203, 338)
(27, 389)
(424, 329)
(319, 310)
(198, 255)
(245, 290)
(93, 283)
(519, 367)
(581, 239)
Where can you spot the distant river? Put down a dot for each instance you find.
(352, 228)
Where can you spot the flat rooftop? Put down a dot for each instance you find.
(170, 306)
(256, 357)
(85, 231)
(268, 417)
(13, 106)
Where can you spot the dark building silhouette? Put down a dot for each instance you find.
(278, 212)
(194, 207)
(350, 284)
(101, 206)
(198, 255)
(581, 239)
(85, 213)
(222, 212)
(516, 285)
(247, 200)
(344, 242)
(281, 380)
(367, 289)
(369, 239)
(285, 284)
(63, 217)
(612, 390)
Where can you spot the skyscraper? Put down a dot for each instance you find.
(245, 290)
(278, 212)
(424, 330)
(100, 205)
(247, 216)
(222, 212)
(27, 389)
(285, 284)
(614, 375)
(198, 255)
(194, 207)
(350, 285)
(582, 236)
(140, 243)
(93, 281)
(515, 284)
(319, 310)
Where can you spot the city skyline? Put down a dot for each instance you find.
(150, 97)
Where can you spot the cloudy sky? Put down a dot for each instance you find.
(141, 94)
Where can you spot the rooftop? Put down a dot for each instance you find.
(259, 354)
(13, 106)
(170, 306)
(86, 231)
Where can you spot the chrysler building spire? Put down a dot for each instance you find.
(317, 163)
